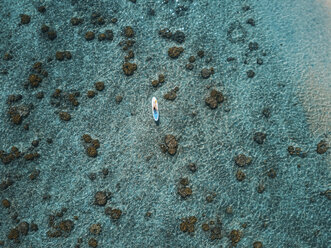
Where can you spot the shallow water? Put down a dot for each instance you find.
(280, 198)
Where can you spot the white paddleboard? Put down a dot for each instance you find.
(155, 109)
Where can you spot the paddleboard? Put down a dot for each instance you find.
(155, 109)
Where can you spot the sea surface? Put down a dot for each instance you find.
(239, 157)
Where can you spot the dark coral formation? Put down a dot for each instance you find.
(89, 35)
(160, 81)
(95, 228)
(183, 190)
(34, 80)
(128, 32)
(206, 73)
(99, 86)
(19, 112)
(250, 73)
(235, 236)
(25, 19)
(215, 98)
(91, 151)
(65, 116)
(61, 55)
(171, 144)
(91, 145)
(242, 160)
(129, 68)
(188, 224)
(101, 198)
(174, 52)
(322, 147)
(172, 94)
(240, 175)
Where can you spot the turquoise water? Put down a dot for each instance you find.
(144, 169)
